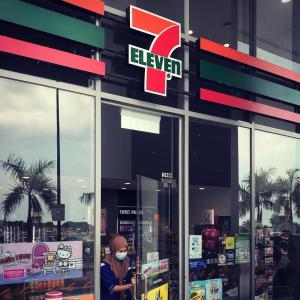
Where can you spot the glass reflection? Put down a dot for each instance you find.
(56, 242)
(219, 166)
(277, 216)
(278, 42)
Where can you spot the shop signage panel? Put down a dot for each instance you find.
(246, 59)
(34, 17)
(58, 57)
(27, 262)
(266, 88)
(223, 75)
(244, 104)
(96, 6)
(157, 62)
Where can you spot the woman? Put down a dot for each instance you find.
(117, 278)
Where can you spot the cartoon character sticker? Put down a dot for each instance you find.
(26, 262)
(63, 254)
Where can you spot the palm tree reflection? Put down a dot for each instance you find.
(31, 184)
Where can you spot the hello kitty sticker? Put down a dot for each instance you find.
(25, 262)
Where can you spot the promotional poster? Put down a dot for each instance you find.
(214, 289)
(154, 268)
(26, 262)
(195, 246)
(160, 293)
(196, 290)
(242, 250)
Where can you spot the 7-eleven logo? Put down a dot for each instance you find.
(159, 67)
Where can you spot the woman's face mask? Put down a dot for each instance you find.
(121, 255)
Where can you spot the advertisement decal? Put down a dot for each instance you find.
(26, 262)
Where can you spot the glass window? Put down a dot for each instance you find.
(161, 8)
(140, 200)
(225, 22)
(76, 115)
(46, 165)
(278, 42)
(277, 199)
(219, 217)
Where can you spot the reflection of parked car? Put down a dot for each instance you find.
(72, 238)
(51, 239)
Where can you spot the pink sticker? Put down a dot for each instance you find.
(14, 274)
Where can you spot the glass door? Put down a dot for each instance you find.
(153, 261)
(140, 198)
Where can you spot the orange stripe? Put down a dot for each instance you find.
(249, 60)
(96, 6)
(153, 24)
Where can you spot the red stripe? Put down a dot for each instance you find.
(246, 59)
(50, 55)
(215, 97)
(96, 6)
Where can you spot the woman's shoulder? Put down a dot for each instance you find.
(104, 263)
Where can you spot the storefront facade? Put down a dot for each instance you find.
(172, 123)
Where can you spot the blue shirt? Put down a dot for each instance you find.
(109, 281)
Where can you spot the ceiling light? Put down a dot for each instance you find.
(45, 189)
(158, 190)
(191, 32)
(123, 188)
(80, 180)
(127, 183)
(201, 188)
(83, 186)
(226, 45)
(25, 177)
(285, 1)
(1, 187)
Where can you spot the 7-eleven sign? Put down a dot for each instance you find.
(159, 66)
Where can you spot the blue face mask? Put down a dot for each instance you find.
(121, 255)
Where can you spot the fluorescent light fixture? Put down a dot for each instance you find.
(285, 1)
(83, 186)
(127, 183)
(25, 177)
(201, 188)
(80, 180)
(140, 121)
(123, 188)
(158, 190)
(227, 45)
(1, 187)
(191, 32)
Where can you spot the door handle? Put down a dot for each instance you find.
(146, 286)
(134, 292)
(135, 287)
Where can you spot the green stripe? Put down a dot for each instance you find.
(223, 75)
(41, 19)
